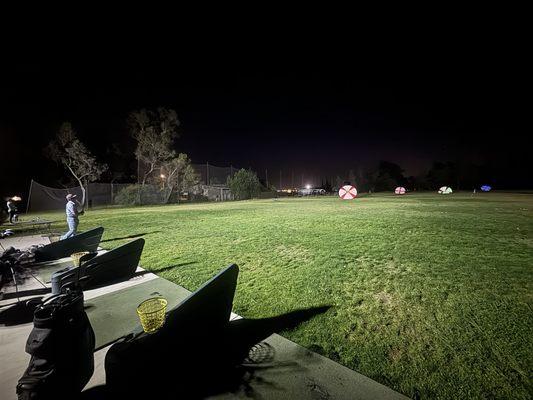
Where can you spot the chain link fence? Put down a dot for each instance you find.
(211, 187)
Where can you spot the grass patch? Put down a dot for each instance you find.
(430, 293)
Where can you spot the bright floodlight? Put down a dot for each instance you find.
(308, 186)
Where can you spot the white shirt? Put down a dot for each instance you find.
(71, 210)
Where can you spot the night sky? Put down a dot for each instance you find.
(304, 109)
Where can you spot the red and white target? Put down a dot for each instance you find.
(399, 190)
(347, 192)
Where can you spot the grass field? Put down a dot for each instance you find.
(431, 294)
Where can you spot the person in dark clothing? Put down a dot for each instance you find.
(12, 210)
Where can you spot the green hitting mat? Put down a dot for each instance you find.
(114, 315)
(44, 272)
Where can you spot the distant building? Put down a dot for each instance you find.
(213, 192)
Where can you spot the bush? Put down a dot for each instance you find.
(244, 185)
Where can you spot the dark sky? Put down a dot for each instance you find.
(315, 110)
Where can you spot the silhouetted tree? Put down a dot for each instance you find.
(66, 149)
(338, 182)
(386, 176)
(442, 174)
(361, 180)
(351, 178)
(327, 186)
(154, 132)
(371, 177)
(178, 175)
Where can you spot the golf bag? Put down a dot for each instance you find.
(61, 346)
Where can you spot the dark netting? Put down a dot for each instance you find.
(218, 175)
(99, 194)
(44, 198)
(212, 175)
(201, 171)
(212, 186)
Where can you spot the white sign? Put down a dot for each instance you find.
(347, 192)
(399, 190)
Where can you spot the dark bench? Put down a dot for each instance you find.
(97, 270)
(85, 241)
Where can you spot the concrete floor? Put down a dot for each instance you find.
(294, 373)
(23, 242)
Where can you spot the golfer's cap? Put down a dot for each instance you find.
(70, 196)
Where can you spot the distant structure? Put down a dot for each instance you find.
(213, 192)
(445, 190)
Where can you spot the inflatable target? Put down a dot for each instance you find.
(347, 192)
(399, 190)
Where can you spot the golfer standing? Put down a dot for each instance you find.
(11, 209)
(72, 216)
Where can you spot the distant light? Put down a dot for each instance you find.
(308, 186)
(162, 176)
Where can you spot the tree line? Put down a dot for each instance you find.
(154, 132)
(386, 176)
(158, 163)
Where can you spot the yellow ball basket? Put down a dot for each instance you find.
(76, 257)
(152, 313)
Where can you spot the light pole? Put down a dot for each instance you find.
(162, 176)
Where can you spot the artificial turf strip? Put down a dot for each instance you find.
(432, 294)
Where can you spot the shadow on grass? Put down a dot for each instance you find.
(155, 271)
(129, 237)
(197, 362)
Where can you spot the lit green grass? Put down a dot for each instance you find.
(431, 293)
